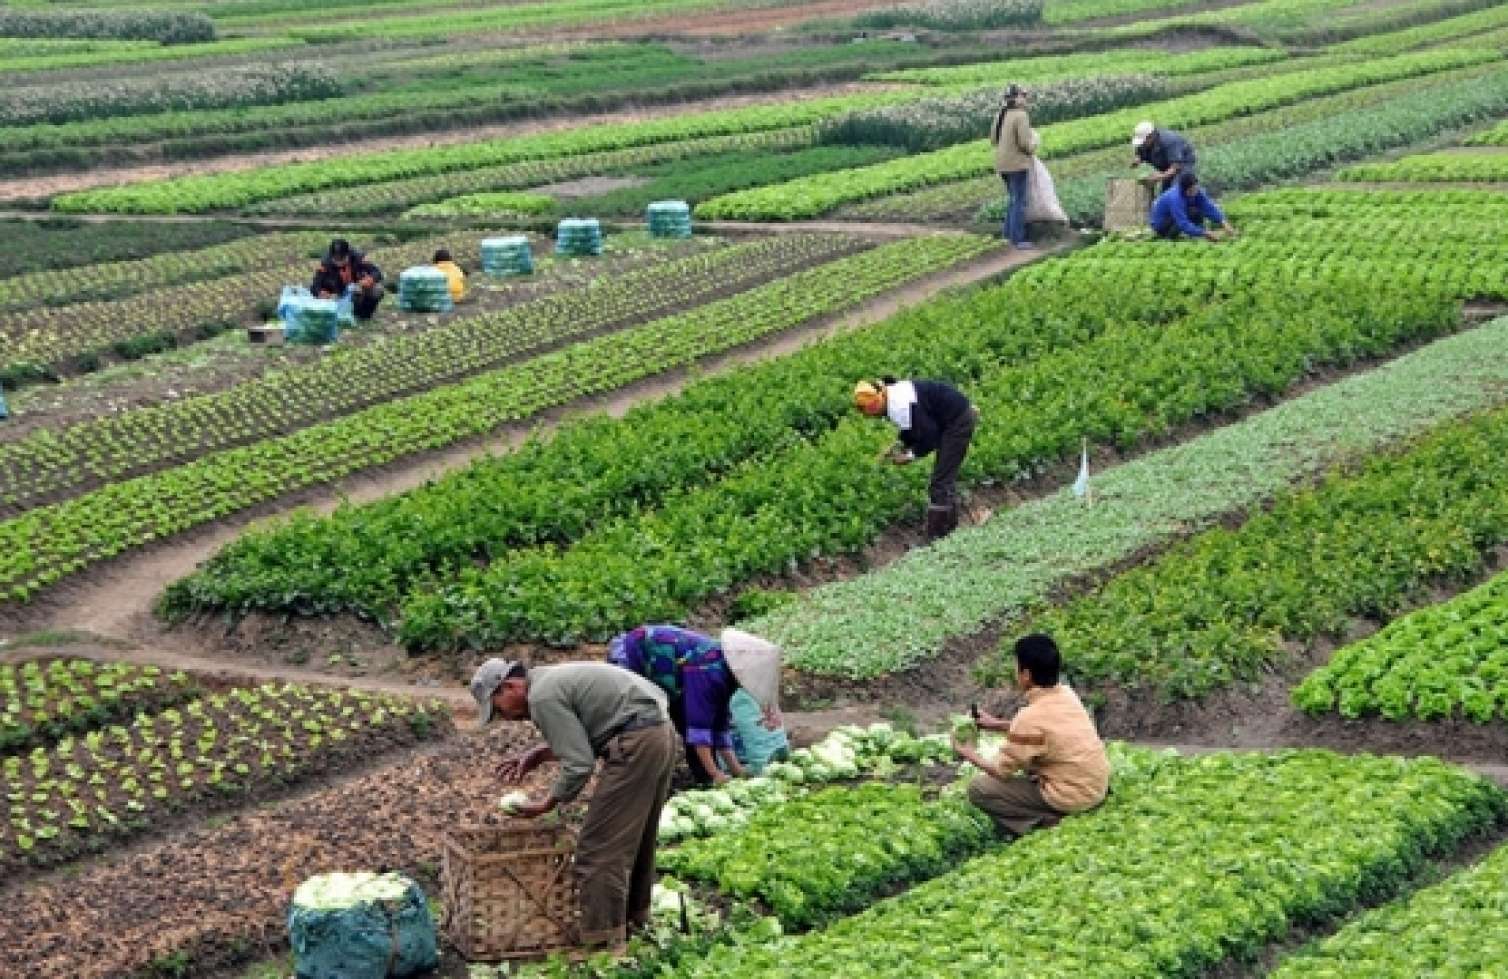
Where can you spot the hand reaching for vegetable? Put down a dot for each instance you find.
(515, 768)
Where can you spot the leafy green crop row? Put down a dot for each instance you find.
(1434, 167)
(234, 87)
(79, 794)
(1457, 30)
(237, 189)
(816, 195)
(1198, 861)
(165, 26)
(152, 437)
(691, 180)
(114, 280)
(836, 851)
(145, 52)
(1443, 661)
(393, 196)
(47, 543)
(1449, 929)
(931, 124)
(42, 701)
(1131, 378)
(1019, 558)
(1056, 67)
(954, 15)
(59, 243)
(1445, 207)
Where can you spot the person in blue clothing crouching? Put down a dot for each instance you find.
(1185, 209)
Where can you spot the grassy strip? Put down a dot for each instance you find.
(1446, 660)
(1437, 931)
(228, 47)
(46, 544)
(908, 610)
(155, 436)
(816, 195)
(238, 189)
(1254, 843)
(835, 852)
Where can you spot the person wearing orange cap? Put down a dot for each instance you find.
(932, 417)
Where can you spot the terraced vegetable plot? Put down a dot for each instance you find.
(1256, 843)
(45, 544)
(45, 700)
(1435, 168)
(78, 794)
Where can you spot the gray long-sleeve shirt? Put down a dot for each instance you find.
(580, 707)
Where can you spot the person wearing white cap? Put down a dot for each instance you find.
(699, 676)
(587, 711)
(1168, 153)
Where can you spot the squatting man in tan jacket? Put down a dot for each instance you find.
(587, 711)
(1053, 762)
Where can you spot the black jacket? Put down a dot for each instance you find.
(937, 407)
(327, 276)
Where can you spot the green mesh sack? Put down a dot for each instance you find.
(361, 926)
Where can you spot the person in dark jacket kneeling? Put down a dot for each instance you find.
(932, 417)
(342, 267)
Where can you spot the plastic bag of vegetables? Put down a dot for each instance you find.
(361, 926)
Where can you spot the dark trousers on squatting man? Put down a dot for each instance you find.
(615, 855)
(942, 494)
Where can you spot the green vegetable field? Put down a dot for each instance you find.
(265, 511)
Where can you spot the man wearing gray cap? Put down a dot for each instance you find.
(587, 711)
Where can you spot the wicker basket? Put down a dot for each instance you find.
(1127, 204)
(510, 891)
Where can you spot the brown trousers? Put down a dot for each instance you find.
(615, 854)
(1016, 804)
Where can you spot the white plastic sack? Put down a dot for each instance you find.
(1042, 197)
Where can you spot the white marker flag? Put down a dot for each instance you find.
(1081, 485)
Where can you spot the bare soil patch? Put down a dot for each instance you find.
(589, 186)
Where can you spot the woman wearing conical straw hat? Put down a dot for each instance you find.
(932, 417)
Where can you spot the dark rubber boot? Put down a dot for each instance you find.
(941, 521)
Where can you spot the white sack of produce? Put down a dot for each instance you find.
(1042, 197)
(361, 926)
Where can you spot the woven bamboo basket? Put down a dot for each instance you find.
(1127, 204)
(509, 891)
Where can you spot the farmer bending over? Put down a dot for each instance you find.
(931, 416)
(587, 711)
(1167, 152)
(343, 267)
(1185, 209)
(699, 676)
(1053, 762)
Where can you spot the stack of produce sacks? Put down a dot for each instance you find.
(669, 219)
(578, 236)
(424, 289)
(361, 926)
(509, 255)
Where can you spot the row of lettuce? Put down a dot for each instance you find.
(1256, 844)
